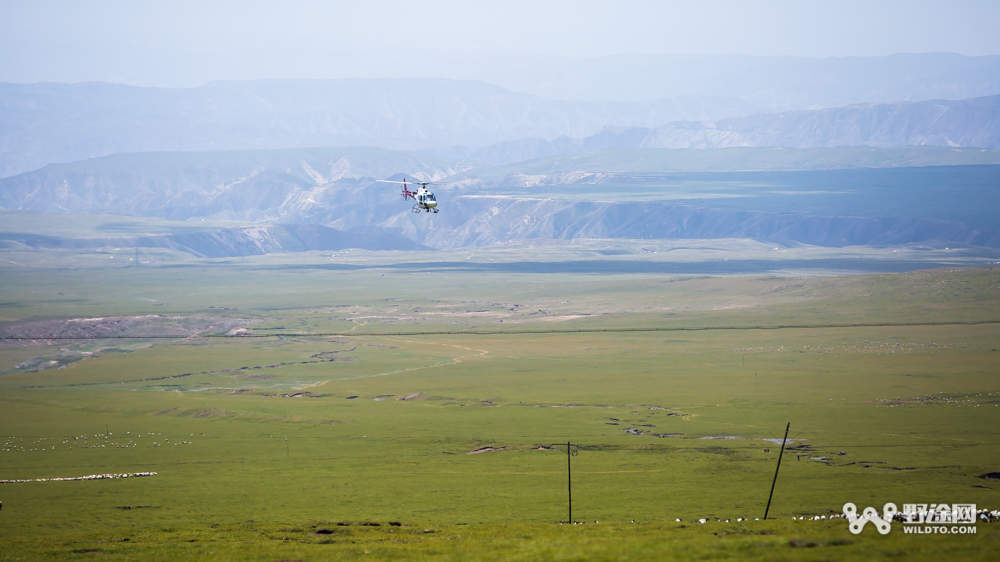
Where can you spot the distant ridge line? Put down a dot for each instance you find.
(517, 332)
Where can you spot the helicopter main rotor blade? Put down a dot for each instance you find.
(410, 182)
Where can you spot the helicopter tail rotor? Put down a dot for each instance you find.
(406, 193)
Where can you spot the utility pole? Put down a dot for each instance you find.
(775, 481)
(569, 476)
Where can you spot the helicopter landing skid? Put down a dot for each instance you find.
(416, 208)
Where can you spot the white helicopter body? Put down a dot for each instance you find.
(425, 200)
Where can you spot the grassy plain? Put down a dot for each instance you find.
(276, 408)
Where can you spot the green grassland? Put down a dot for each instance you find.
(299, 391)
(505, 541)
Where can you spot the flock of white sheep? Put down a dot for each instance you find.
(98, 441)
(90, 477)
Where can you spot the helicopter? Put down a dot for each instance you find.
(425, 200)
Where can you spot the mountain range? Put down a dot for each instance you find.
(774, 83)
(962, 123)
(624, 146)
(831, 196)
(51, 123)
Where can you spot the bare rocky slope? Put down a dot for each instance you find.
(964, 123)
(255, 185)
(485, 206)
(486, 222)
(971, 123)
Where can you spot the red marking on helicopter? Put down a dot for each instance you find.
(406, 192)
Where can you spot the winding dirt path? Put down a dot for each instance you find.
(473, 353)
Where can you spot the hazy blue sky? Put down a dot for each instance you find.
(189, 42)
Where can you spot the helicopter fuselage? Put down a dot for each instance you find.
(425, 201)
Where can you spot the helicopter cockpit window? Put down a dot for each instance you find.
(430, 197)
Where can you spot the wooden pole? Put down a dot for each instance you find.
(569, 479)
(775, 481)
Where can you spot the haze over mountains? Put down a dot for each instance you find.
(549, 98)
(46, 123)
(917, 162)
(966, 123)
(770, 82)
